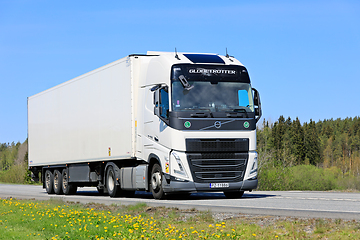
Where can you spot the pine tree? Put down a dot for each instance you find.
(311, 144)
(297, 142)
(277, 137)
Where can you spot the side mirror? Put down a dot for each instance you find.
(257, 104)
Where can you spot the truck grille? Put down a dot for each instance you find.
(217, 145)
(217, 167)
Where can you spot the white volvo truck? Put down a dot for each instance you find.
(169, 123)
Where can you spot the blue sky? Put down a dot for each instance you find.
(302, 56)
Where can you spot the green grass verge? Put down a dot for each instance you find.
(54, 219)
(306, 177)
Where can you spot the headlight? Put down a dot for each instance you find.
(254, 166)
(181, 170)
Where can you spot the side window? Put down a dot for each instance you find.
(243, 98)
(164, 103)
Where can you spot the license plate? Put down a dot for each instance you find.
(219, 185)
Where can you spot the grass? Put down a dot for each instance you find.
(306, 177)
(55, 219)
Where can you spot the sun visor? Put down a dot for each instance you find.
(204, 58)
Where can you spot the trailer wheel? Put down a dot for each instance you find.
(156, 182)
(49, 182)
(112, 188)
(237, 194)
(67, 188)
(57, 182)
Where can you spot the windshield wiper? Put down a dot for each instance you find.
(202, 114)
(236, 112)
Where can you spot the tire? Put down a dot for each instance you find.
(57, 182)
(49, 182)
(67, 188)
(112, 188)
(233, 195)
(156, 179)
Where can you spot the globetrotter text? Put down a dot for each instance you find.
(212, 71)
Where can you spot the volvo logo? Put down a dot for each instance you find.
(217, 124)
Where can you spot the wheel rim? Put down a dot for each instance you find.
(111, 181)
(56, 178)
(156, 180)
(48, 180)
(65, 181)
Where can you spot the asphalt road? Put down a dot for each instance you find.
(278, 203)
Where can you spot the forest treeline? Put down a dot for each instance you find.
(321, 153)
(14, 163)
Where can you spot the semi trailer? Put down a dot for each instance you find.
(162, 122)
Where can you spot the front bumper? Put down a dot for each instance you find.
(172, 185)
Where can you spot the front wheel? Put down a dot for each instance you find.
(156, 182)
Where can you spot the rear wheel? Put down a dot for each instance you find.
(49, 182)
(156, 182)
(112, 188)
(57, 182)
(67, 188)
(237, 194)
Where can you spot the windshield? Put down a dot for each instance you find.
(214, 88)
(213, 96)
